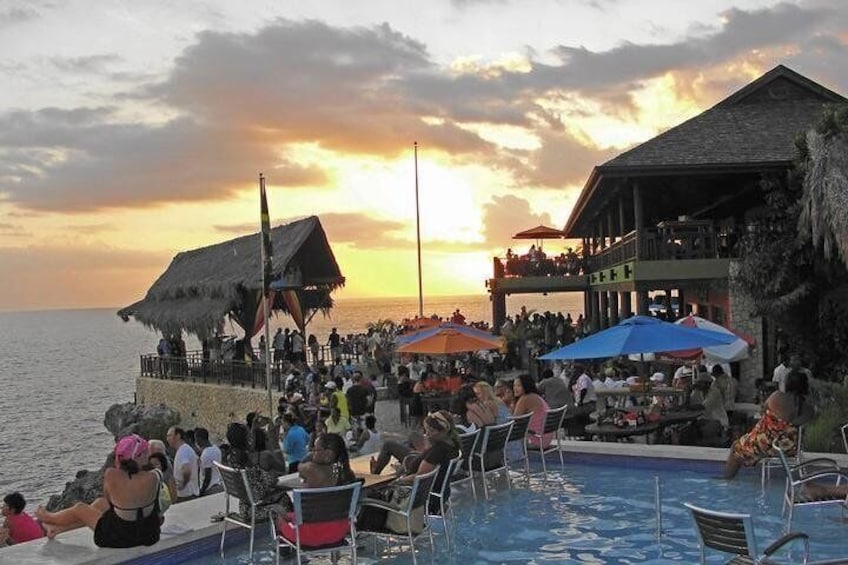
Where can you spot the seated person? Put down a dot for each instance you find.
(128, 513)
(327, 466)
(239, 456)
(335, 423)
(368, 439)
(444, 445)
(408, 455)
(18, 526)
(784, 412)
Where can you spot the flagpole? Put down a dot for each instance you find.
(266, 304)
(418, 236)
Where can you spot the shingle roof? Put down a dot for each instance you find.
(752, 130)
(757, 124)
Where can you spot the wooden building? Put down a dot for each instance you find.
(664, 215)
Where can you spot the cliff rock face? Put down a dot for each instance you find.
(121, 419)
(86, 487)
(150, 422)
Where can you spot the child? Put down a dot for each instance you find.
(18, 526)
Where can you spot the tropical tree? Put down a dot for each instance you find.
(793, 264)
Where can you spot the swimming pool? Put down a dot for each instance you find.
(603, 510)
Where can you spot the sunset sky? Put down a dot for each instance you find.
(130, 131)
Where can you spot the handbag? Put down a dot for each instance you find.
(163, 494)
(396, 522)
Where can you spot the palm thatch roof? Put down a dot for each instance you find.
(750, 132)
(203, 286)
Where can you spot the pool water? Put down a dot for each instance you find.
(603, 510)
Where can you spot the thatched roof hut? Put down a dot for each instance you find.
(203, 286)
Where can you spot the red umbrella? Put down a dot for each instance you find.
(540, 232)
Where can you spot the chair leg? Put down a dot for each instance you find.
(252, 530)
(445, 522)
(544, 465)
(559, 448)
(223, 536)
(412, 548)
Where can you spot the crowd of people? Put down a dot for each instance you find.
(537, 263)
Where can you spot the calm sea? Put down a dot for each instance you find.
(60, 371)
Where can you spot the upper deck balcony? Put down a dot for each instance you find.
(669, 241)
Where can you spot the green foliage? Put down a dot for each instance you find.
(823, 433)
(793, 265)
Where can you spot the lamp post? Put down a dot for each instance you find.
(418, 235)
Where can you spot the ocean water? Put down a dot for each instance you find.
(61, 370)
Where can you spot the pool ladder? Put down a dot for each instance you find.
(658, 506)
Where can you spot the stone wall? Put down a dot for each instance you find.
(743, 320)
(208, 405)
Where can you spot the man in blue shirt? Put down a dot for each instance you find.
(295, 441)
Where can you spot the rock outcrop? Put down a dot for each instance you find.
(120, 419)
(147, 421)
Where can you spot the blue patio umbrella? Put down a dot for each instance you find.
(639, 334)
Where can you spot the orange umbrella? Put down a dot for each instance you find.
(449, 338)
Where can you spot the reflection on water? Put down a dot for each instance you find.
(605, 514)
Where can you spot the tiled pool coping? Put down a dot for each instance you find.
(189, 532)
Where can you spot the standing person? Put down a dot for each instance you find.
(297, 347)
(358, 399)
(554, 390)
(312, 343)
(186, 465)
(783, 413)
(278, 343)
(295, 441)
(209, 454)
(287, 345)
(334, 340)
(781, 372)
(338, 399)
(127, 515)
(18, 526)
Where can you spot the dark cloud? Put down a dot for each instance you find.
(17, 15)
(84, 163)
(244, 98)
(89, 64)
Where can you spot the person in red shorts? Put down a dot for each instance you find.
(18, 526)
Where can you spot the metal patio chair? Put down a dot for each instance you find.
(462, 473)
(236, 486)
(519, 433)
(419, 497)
(492, 443)
(317, 511)
(440, 495)
(769, 463)
(552, 424)
(822, 470)
(734, 534)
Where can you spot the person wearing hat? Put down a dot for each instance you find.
(338, 398)
(128, 514)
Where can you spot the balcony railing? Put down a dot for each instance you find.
(558, 266)
(195, 367)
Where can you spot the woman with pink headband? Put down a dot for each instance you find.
(128, 514)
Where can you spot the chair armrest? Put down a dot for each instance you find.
(381, 504)
(790, 537)
(818, 461)
(840, 477)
